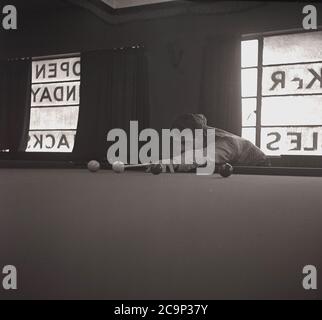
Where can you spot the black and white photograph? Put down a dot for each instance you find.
(160, 154)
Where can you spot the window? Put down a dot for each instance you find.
(282, 93)
(55, 98)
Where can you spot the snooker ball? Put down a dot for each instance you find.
(118, 167)
(156, 169)
(226, 170)
(93, 166)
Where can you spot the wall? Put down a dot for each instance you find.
(174, 44)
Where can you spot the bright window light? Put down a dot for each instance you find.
(249, 53)
(55, 99)
(286, 115)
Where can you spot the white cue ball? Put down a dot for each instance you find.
(118, 167)
(93, 166)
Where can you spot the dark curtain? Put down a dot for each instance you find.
(220, 99)
(15, 86)
(114, 90)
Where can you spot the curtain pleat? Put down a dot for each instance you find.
(15, 86)
(114, 91)
(220, 98)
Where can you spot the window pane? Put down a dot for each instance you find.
(55, 98)
(249, 112)
(249, 53)
(292, 111)
(54, 118)
(55, 70)
(55, 94)
(249, 82)
(293, 48)
(51, 141)
(249, 134)
(294, 79)
(296, 141)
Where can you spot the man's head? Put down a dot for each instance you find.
(192, 121)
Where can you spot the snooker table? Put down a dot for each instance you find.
(73, 234)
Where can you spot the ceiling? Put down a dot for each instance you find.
(111, 4)
(119, 4)
(123, 11)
